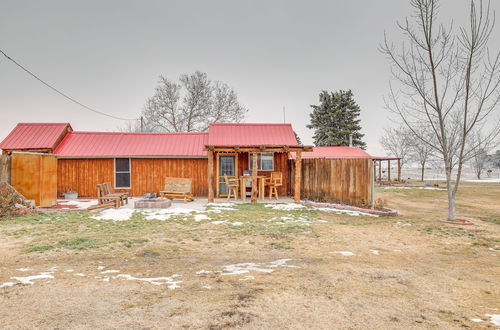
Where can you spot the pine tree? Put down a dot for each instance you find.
(335, 119)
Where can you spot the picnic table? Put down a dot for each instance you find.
(260, 182)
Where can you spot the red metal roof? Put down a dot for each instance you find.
(340, 152)
(34, 136)
(220, 134)
(107, 144)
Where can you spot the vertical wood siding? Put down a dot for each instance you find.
(346, 181)
(83, 175)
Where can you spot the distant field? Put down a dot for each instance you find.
(255, 267)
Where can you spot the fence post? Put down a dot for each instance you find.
(5, 168)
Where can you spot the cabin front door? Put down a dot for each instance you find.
(227, 164)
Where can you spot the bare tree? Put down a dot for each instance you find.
(421, 152)
(189, 106)
(479, 157)
(397, 142)
(447, 81)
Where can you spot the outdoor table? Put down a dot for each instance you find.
(243, 187)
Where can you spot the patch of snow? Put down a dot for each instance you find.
(200, 217)
(80, 204)
(348, 212)
(244, 268)
(203, 272)
(115, 214)
(247, 278)
(110, 271)
(221, 204)
(208, 287)
(80, 274)
(171, 283)
(345, 253)
(285, 207)
(30, 279)
(375, 252)
(402, 224)
(69, 270)
(24, 269)
(477, 320)
(165, 214)
(218, 222)
(106, 279)
(6, 284)
(484, 181)
(281, 263)
(100, 267)
(423, 188)
(494, 318)
(236, 223)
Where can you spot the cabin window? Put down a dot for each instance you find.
(122, 173)
(265, 161)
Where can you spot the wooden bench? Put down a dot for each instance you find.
(178, 188)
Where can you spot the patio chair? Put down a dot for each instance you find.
(102, 198)
(108, 191)
(275, 181)
(178, 188)
(231, 185)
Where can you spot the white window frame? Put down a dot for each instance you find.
(259, 161)
(129, 172)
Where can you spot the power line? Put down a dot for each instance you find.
(61, 93)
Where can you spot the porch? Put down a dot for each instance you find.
(250, 168)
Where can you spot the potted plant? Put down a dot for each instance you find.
(71, 194)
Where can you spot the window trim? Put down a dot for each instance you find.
(129, 172)
(259, 164)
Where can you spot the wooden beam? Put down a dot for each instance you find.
(388, 170)
(254, 177)
(399, 170)
(298, 176)
(379, 170)
(210, 178)
(267, 148)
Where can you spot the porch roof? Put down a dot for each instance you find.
(258, 148)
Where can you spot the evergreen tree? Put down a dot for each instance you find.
(335, 119)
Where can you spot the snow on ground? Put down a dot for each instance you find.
(285, 207)
(494, 318)
(115, 214)
(424, 188)
(484, 181)
(348, 212)
(247, 267)
(24, 269)
(345, 253)
(171, 283)
(79, 204)
(165, 214)
(375, 252)
(6, 284)
(30, 279)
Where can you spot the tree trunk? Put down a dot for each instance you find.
(422, 172)
(451, 205)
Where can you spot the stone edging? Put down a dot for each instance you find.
(386, 212)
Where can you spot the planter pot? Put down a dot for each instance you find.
(71, 195)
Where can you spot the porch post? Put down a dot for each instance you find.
(210, 176)
(254, 177)
(399, 170)
(379, 170)
(388, 170)
(298, 176)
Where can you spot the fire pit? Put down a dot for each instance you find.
(152, 203)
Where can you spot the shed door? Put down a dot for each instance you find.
(226, 166)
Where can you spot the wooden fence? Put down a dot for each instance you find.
(346, 181)
(5, 164)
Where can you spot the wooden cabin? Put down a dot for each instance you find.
(138, 162)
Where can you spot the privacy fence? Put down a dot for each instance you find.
(345, 181)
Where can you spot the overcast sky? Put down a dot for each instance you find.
(275, 54)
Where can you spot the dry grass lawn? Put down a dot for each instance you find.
(407, 272)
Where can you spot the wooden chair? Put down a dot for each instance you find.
(108, 191)
(102, 198)
(275, 181)
(178, 188)
(231, 185)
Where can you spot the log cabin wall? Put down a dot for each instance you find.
(147, 174)
(345, 181)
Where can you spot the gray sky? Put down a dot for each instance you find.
(109, 54)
